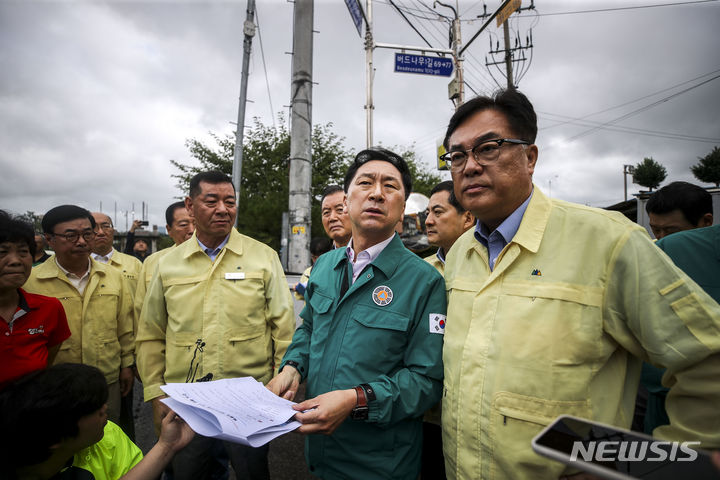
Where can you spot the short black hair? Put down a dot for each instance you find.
(44, 407)
(692, 200)
(447, 186)
(212, 177)
(64, 213)
(329, 190)
(320, 245)
(383, 154)
(16, 230)
(170, 212)
(514, 105)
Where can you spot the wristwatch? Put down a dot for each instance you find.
(361, 410)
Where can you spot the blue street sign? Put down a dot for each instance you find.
(407, 63)
(355, 13)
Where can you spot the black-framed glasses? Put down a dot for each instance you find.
(73, 237)
(484, 152)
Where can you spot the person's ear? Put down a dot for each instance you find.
(531, 151)
(706, 220)
(468, 220)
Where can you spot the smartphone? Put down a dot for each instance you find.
(613, 453)
(144, 223)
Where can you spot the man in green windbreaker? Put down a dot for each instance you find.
(370, 345)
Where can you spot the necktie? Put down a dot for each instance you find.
(345, 283)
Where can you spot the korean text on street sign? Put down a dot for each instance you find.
(507, 11)
(425, 65)
(355, 13)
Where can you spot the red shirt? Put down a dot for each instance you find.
(38, 324)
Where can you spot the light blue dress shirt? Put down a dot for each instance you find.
(213, 253)
(496, 240)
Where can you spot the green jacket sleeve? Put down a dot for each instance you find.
(416, 387)
(299, 349)
(279, 312)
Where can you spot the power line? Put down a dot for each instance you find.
(639, 131)
(409, 23)
(640, 98)
(642, 109)
(267, 82)
(625, 8)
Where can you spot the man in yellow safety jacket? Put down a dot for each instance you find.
(553, 306)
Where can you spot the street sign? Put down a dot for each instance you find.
(441, 164)
(509, 9)
(439, 66)
(356, 14)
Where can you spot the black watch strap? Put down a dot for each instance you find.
(295, 365)
(369, 392)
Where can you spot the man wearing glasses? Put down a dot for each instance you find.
(96, 299)
(553, 306)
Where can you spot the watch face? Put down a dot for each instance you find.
(359, 413)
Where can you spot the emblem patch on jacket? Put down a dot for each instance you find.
(437, 323)
(382, 295)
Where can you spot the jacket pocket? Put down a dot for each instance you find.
(179, 350)
(515, 420)
(569, 314)
(108, 358)
(244, 299)
(375, 340)
(249, 352)
(320, 303)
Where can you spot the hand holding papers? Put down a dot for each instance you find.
(239, 410)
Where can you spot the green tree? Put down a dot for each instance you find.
(708, 169)
(265, 172)
(423, 179)
(32, 218)
(649, 173)
(266, 168)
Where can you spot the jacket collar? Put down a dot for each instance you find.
(534, 222)
(532, 227)
(387, 261)
(50, 269)
(234, 244)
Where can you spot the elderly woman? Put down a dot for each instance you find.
(32, 327)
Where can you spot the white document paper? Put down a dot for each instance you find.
(239, 410)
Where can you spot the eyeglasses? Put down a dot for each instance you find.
(73, 237)
(484, 153)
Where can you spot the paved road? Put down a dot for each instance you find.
(287, 460)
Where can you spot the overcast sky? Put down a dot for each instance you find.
(96, 97)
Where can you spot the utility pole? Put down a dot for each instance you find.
(457, 85)
(249, 31)
(627, 170)
(508, 56)
(300, 138)
(369, 46)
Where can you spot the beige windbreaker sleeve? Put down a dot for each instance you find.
(660, 315)
(151, 339)
(125, 326)
(279, 311)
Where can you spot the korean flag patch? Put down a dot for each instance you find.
(437, 323)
